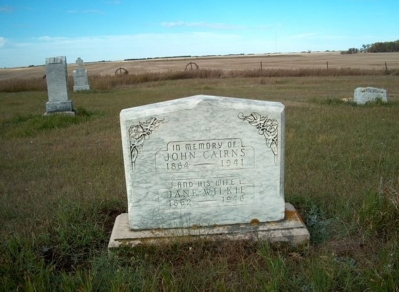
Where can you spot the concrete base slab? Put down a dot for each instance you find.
(59, 106)
(291, 231)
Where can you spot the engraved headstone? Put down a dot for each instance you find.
(81, 81)
(202, 161)
(363, 95)
(57, 86)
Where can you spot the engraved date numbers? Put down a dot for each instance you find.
(180, 203)
(233, 199)
(232, 162)
(176, 166)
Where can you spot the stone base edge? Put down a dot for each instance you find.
(67, 113)
(290, 231)
(81, 87)
(59, 106)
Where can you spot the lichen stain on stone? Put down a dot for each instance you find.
(292, 216)
(254, 222)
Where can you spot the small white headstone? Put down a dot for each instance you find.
(363, 95)
(81, 81)
(203, 161)
(57, 86)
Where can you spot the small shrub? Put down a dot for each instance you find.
(317, 223)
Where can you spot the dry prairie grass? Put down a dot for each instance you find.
(107, 82)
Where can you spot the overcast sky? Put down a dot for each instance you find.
(31, 31)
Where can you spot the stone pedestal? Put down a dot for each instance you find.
(291, 231)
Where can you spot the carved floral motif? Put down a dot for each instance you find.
(141, 132)
(266, 127)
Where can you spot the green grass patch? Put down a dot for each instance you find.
(30, 125)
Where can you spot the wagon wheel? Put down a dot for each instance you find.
(121, 71)
(191, 66)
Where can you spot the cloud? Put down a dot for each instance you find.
(86, 11)
(201, 25)
(312, 36)
(216, 26)
(309, 35)
(6, 8)
(2, 42)
(266, 27)
(215, 36)
(50, 39)
(172, 24)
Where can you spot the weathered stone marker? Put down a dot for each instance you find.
(204, 165)
(363, 95)
(57, 86)
(80, 78)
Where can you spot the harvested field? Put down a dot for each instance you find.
(246, 62)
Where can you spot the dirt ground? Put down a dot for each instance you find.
(245, 62)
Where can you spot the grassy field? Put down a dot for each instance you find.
(62, 185)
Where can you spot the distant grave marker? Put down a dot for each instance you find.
(57, 86)
(363, 95)
(81, 81)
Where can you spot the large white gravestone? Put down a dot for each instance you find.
(202, 161)
(363, 95)
(57, 86)
(80, 78)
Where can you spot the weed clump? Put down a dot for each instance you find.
(318, 224)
